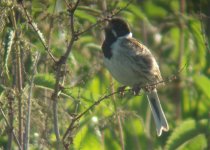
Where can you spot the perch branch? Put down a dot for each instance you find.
(76, 118)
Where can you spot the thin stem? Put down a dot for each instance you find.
(119, 122)
(10, 98)
(71, 126)
(38, 32)
(15, 137)
(104, 19)
(19, 82)
(60, 75)
(28, 118)
(180, 60)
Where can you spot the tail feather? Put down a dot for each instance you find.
(158, 114)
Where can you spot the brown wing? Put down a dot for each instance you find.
(146, 64)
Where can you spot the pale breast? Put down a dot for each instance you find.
(130, 66)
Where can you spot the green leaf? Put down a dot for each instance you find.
(198, 142)
(187, 131)
(154, 10)
(45, 80)
(203, 83)
(7, 48)
(198, 49)
(1, 88)
(86, 139)
(83, 15)
(93, 46)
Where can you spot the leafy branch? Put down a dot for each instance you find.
(72, 126)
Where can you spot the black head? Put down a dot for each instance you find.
(117, 27)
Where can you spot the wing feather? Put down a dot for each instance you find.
(146, 65)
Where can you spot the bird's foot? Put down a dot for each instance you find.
(136, 90)
(121, 90)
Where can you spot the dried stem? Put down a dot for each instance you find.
(15, 137)
(59, 72)
(19, 82)
(10, 98)
(30, 21)
(28, 118)
(119, 123)
(104, 19)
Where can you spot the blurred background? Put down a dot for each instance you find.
(177, 33)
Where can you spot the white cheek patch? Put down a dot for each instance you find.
(129, 35)
(114, 33)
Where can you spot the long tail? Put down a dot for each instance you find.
(158, 114)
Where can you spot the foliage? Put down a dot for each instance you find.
(177, 32)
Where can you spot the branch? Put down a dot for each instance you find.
(39, 33)
(16, 139)
(76, 118)
(60, 74)
(28, 119)
(108, 17)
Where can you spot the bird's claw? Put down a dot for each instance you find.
(121, 90)
(136, 90)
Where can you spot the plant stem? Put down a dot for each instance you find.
(10, 98)
(19, 81)
(180, 60)
(15, 137)
(28, 118)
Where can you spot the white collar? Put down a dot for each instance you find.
(129, 35)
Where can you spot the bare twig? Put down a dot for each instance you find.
(71, 126)
(34, 26)
(59, 73)
(28, 119)
(119, 122)
(15, 137)
(19, 80)
(105, 19)
(10, 97)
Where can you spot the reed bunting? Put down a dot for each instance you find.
(132, 64)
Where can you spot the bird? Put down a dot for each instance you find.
(132, 64)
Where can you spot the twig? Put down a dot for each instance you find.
(28, 119)
(34, 26)
(105, 19)
(19, 83)
(60, 74)
(119, 122)
(120, 131)
(71, 126)
(15, 137)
